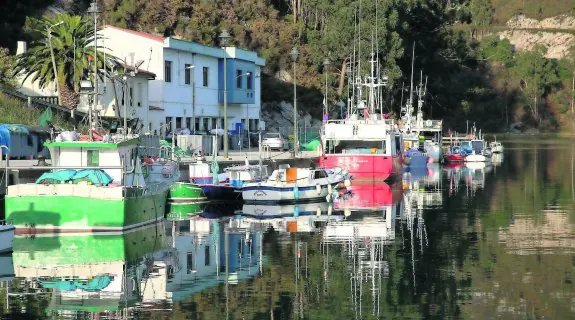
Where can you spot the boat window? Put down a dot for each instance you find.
(356, 147)
(272, 136)
(397, 145)
(318, 174)
(477, 146)
(93, 158)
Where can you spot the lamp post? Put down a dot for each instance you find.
(224, 38)
(94, 10)
(192, 75)
(326, 63)
(49, 30)
(294, 55)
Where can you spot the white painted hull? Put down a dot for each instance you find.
(497, 149)
(280, 211)
(6, 238)
(270, 193)
(475, 158)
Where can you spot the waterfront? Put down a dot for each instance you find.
(470, 243)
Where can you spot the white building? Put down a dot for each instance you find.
(189, 85)
(172, 84)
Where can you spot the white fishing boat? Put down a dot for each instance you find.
(496, 147)
(6, 237)
(475, 158)
(295, 185)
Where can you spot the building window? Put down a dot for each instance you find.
(168, 125)
(168, 71)
(178, 122)
(207, 256)
(205, 124)
(93, 158)
(189, 123)
(187, 74)
(190, 263)
(250, 79)
(197, 125)
(239, 79)
(131, 96)
(205, 76)
(139, 94)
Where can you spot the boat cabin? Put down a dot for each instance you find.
(118, 160)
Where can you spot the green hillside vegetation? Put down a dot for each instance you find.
(537, 9)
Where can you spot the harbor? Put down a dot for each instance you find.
(354, 159)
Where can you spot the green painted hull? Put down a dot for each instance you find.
(80, 214)
(87, 249)
(185, 191)
(181, 210)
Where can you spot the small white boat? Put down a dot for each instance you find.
(496, 147)
(295, 185)
(240, 175)
(6, 237)
(475, 158)
(274, 211)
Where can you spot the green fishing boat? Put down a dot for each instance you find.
(94, 186)
(185, 191)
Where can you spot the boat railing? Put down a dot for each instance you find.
(388, 122)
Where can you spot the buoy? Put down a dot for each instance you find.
(318, 188)
(329, 188)
(295, 192)
(329, 210)
(347, 183)
(328, 198)
(296, 211)
(318, 211)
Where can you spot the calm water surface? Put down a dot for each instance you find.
(459, 242)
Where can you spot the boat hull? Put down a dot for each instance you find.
(184, 191)
(216, 192)
(451, 158)
(71, 214)
(475, 158)
(180, 210)
(369, 167)
(370, 196)
(271, 194)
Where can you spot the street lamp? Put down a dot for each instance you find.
(326, 63)
(224, 38)
(191, 68)
(294, 55)
(49, 30)
(95, 11)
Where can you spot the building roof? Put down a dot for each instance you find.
(189, 46)
(138, 33)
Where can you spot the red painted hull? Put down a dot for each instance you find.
(365, 167)
(454, 158)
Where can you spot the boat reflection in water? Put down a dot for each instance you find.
(101, 274)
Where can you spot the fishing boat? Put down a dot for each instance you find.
(366, 143)
(6, 237)
(207, 177)
(116, 184)
(418, 134)
(454, 155)
(295, 185)
(496, 146)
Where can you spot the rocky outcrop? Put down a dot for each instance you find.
(555, 33)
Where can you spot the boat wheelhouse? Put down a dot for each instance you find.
(94, 186)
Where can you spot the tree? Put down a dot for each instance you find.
(7, 65)
(482, 13)
(72, 43)
(536, 75)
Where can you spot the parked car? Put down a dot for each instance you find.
(274, 141)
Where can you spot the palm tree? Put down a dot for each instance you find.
(72, 43)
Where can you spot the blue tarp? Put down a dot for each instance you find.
(61, 176)
(96, 176)
(95, 284)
